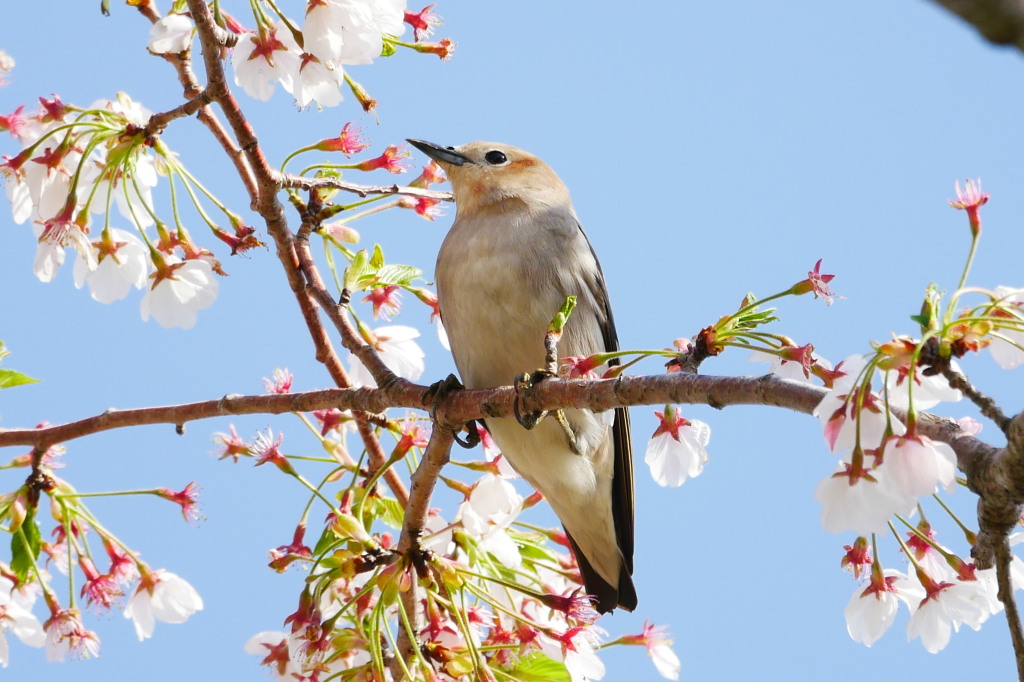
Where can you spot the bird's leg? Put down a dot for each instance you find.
(440, 390)
(525, 382)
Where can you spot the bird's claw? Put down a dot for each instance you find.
(437, 392)
(525, 382)
(472, 435)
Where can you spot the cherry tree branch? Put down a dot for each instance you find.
(423, 481)
(303, 281)
(1004, 557)
(1000, 22)
(300, 182)
(987, 405)
(193, 92)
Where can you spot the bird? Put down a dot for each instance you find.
(513, 254)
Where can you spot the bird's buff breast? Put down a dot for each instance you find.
(496, 304)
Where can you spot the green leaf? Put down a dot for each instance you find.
(327, 541)
(401, 275)
(391, 512)
(378, 257)
(355, 272)
(25, 545)
(9, 378)
(541, 668)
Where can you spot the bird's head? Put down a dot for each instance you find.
(489, 173)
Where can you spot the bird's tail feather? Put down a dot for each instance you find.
(606, 596)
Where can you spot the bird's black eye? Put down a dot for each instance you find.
(451, 149)
(495, 158)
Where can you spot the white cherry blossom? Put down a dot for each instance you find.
(1008, 348)
(175, 299)
(676, 450)
(164, 596)
(397, 350)
(172, 34)
(123, 267)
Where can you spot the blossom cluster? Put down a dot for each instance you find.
(146, 595)
(886, 465)
(309, 62)
(492, 592)
(77, 162)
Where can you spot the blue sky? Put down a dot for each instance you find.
(711, 150)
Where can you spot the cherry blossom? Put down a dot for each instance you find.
(676, 450)
(817, 284)
(16, 617)
(263, 59)
(393, 160)
(917, 465)
(54, 235)
(179, 290)
(872, 609)
(273, 647)
(429, 209)
(66, 635)
(280, 381)
(187, 498)
(122, 263)
(1007, 346)
(397, 350)
(100, 590)
(6, 66)
(487, 513)
(423, 22)
(928, 392)
(970, 199)
(946, 606)
(173, 34)
(386, 301)
(659, 647)
(442, 335)
(231, 444)
(351, 31)
(164, 596)
(576, 649)
(791, 368)
(312, 80)
(349, 141)
(861, 502)
(840, 418)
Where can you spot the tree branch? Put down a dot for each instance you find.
(422, 489)
(985, 404)
(300, 182)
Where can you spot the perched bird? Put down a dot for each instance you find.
(514, 253)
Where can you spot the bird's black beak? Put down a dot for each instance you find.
(439, 153)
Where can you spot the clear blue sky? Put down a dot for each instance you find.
(711, 149)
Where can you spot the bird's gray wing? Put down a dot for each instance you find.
(622, 482)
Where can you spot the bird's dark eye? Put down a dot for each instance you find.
(451, 149)
(495, 158)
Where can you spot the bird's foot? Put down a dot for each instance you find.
(440, 390)
(525, 382)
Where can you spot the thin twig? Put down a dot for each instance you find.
(984, 403)
(300, 182)
(1004, 556)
